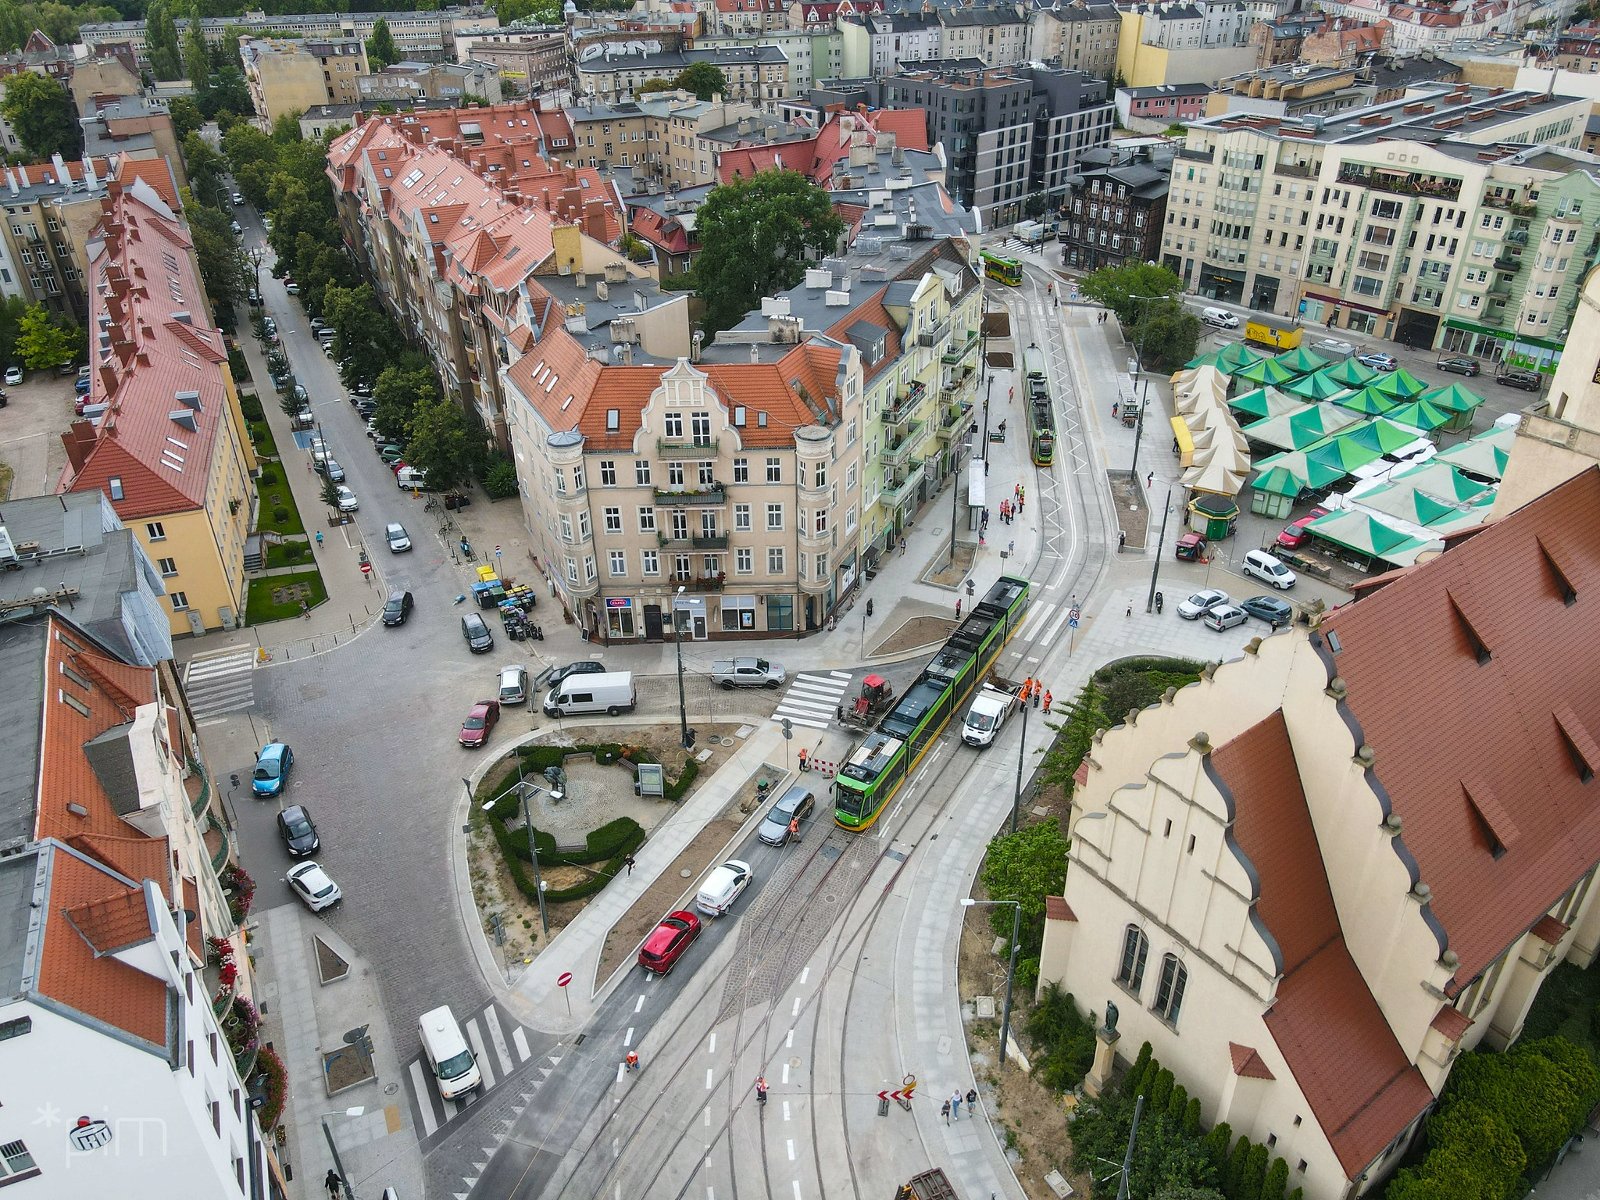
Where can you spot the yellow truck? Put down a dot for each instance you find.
(1276, 335)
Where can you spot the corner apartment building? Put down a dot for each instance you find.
(453, 212)
(1080, 35)
(1394, 221)
(291, 75)
(164, 438)
(997, 34)
(39, 261)
(756, 74)
(1310, 890)
(813, 53)
(894, 41)
(1184, 43)
(1114, 209)
(530, 61)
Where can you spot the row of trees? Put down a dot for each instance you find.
(1146, 299)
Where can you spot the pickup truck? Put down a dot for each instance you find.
(988, 711)
(747, 672)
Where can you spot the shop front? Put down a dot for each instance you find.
(620, 619)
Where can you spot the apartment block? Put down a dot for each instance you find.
(895, 41)
(997, 34)
(408, 82)
(134, 126)
(530, 61)
(163, 436)
(1435, 219)
(1308, 89)
(291, 74)
(1184, 43)
(750, 16)
(756, 74)
(1115, 208)
(1078, 36)
(813, 52)
(39, 259)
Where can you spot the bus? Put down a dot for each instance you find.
(877, 767)
(1003, 270)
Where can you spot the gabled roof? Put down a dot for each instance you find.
(1471, 675)
(1324, 1018)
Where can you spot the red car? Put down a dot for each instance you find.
(475, 729)
(667, 942)
(1294, 535)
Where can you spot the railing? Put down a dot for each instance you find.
(715, 494)
(956, 421)
(1507, 262)
(898, 451)
(1204, 156)
(219, 856)
(202, 799)
(914, 393)
(697, 446)
(1296, 170)
(1498, 201)
(932, 337)
(1517, 237)
(896, 493)
(705, 583)
(898, 414)
(710, 541)
(1403, 185)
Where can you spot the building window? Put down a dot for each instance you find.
(774, 470)
(1135, 947)
(744, 560)
(608, 473)
(741, 518)
(180, 601)
(155, 531)
(775, 560)
(1169, 991)
(619, 564)
(707, 473)
(647, 519)
(674, 427)
(774, 516)
(741, 470)
(613, 519)
(641, 472)
(650, 562)
(675, 474)
(167, 566)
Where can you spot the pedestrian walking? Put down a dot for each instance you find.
(1047, 700)
(628, 862)
(958, 607)
(1114, 407)
(804, 755)
(1122, 539)
(633, 1060)
(332, 1182)
(972, 1099)
(794, 827)
(319, 539)
(1149, 479)
(1130, 608)
(1036, 697)
(955, 1104)
(1011, 546)
(1016, 491)
(945, 1112)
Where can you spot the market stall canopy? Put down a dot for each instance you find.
(1484, 456)
(1296, 466)
(1298, 430)
(1222, 472)
(1343, 454)
(1266, 402)
(1453, 397)
(1367, 535)
(1401, 384)
(1228, 359)
(1368, 400)
(1439, 478)
(1420, 414)
(1215, 505)
(1267, 371)
(1349, 373)
(1321, 386)
(1302, 361)
(1381, 434)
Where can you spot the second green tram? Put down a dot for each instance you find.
(1002, 270)
(1041, 412)
(883, 761)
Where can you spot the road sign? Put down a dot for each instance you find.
(366, 568)
(788, 729)
(1072, 617)
(563, 979)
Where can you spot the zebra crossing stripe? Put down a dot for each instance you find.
(491, 1021)
(485, 1067)
(424, 1096)
(519, 1038)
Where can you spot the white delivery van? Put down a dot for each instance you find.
(411, 477)
(448, 1054)
(722, 888)
(1219, 318)
(1267, 569)
(610, 692)
(989, 710)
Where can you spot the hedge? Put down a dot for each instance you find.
(522, 876)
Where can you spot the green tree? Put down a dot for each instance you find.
(442, 444)
(1276, 1184)
(1191, 1119)
(1124, 289)
(1255, 1171)
(1185, 1192)
(1216, 1143)
(1178, 1102)
(381, 50)
(1035, 206)
(197, 59)
(40, 111)
(362, 332)
(398, 395)
(703, 80)
(661, 84)
(537, 12)
(161, 41)
(11, 310)
(1233, 1173)
(186, 115)
(223, 267)
(1136, 1072)
(1027, 866)
(208, 171)
(43, 342)
(330, 494)
(757, 234)
(1166, 335)
(1160, 1091)
(1472, 1152)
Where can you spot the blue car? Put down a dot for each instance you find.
(272, 769)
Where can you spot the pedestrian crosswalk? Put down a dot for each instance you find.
(813, 700)
(500, 1046)
(220, 683)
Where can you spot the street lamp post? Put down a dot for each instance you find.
(1140, 385)
(677, 641)
(1016, 796)
(1161, 541)
(338, 1163)
(1011, 970)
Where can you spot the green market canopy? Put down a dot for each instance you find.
(1368, 400)
(1453, 398)
(1321, 386)
(1301, 361)
(1367, 535)
(1267, 371)
(1302, 429)
(1265, 402)
(1294, 465)
(1228, 359)
(1349, 373)
(1485, 455)
(1420, 414)
(1401, 384)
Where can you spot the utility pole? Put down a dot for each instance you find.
(1127, 1159)
(1161, 541)
(1016, 796)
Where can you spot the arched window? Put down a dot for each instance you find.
(1135, 946)
(1169, 992)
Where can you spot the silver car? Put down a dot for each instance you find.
(514, 684)
(794, 804)
(399, 539)
(314, 886)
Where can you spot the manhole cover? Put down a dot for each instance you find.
(829, 898)
(391, 1089)
(831, 852)
(897, 855)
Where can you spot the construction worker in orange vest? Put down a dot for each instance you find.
(1047, 699)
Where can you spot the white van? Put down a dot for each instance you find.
(448, 1053)
(411, 477)
(722, 888)
(610, 692)
(1219, 318)
(1267, 569)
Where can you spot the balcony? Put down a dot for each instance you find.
(701, 447)
(958, 350)
(703, 583)
(216, 839)
(1189, 155)
(1406, 183)
(715, 494)
(896, 453)
(913, 394)
(936, 335)
(199, 789)
(1507, 262)
(897, 415)
(897, 492)
(710, 541)
(956, 421)
(1297, 170)
(1499, 286)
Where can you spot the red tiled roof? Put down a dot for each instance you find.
(138, 858)
(1056, 908)
(1451, 1022)
(157, 172)
(88, 906)
(873, 312)
(1247, 1063)
(159, 444)
(1326, 1023)
(664, 232)
(826, 153)
(1549, 930)
(1460, 674)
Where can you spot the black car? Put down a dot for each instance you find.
(397, 608)
(1459, 364)
(552, 676)
(297, 831)
(479, 639)
(1517, 377)
(1273, 611)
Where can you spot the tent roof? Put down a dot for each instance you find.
(1268, 370)
(1303, 428)
(1349, 372)
(1302, 361)
(1420, 414)
(1401, 384)
(1368, 400)
(1368, 535)
(1266, 402)
(1320, 386)
(1453, 397)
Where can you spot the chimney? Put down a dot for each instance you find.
(60, 164)
(755, 352)
(89, 176)
(11, 181)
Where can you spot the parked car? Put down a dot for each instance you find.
(372, 428)
(238, 199)
(314, 886)
(795, 803)
(272, 769)
(399, 540)
(551, 676)
(236, 227)
(1516, 377)
(331, 468)
(479, 639)
(397, 608)
(298, 832)
(1293, 535)
(13, 376)
(292, 288)
(1197, 605)
(1377, 361)
(480, 722)
(514, 684)
(1225, 616)
(1263, 566)
(347, 500)
(1219, 318)
(722, 887)
(667, 942)
(1191, 547)
(390, 453)
(1271, 609)
(747, 672)
(1458, 364)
